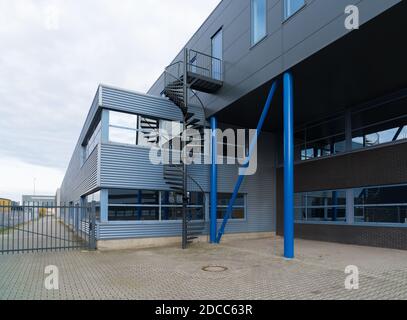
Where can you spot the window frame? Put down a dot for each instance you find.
(244, 207)
(138, 130)
(159, 205)
(217, 33)
(288, 16)
(327, 207)
(254, 43)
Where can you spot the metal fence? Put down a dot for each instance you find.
(42, 227)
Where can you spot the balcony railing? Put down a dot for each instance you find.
(199, 65)
(205, 65)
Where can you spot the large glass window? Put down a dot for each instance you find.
(133, 205)
(292, 6)
(217, 54)
(123, 127)
(373, 135)
(93, 141)
(381, 204)
(171, 206)
(321, 139)
(258, 20)
(379, 124)
(94, 198)
(239, 207)
(148, 205)
(132, 129)
(321, 206)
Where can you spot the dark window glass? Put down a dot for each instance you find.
(321, 206)
(123, 213)
(237, 213)
(381, 204)
(94, 198)
(238, 208)
(126, 197)
(123, 197)
(171, 198)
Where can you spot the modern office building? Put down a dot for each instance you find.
(336, 129)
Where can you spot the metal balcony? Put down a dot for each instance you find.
(204, 72)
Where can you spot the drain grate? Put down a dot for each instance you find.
(214, 269)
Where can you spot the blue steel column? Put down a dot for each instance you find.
(288, 166)
(214, 181)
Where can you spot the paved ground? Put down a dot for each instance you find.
(255, 271)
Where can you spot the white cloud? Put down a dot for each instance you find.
(54, 53)
(17, 178)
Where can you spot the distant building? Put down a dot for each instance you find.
(40, 200)
(5, 202)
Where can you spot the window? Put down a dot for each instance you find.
(258, 20)
(239, 207)
(321, 139)
(132, 129)
(381, 204)
(93, 141)
(292, 6)
(133, 205)
(123, 127)
(217, 55)
(379, 124)
(148, 205)
(171, 206)
(94, 198)
(378, 136)
(321, 206)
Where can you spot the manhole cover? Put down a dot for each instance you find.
(214, 269)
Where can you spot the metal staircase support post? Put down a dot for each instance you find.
(247, 161)
(288, 166)
(183, 146)
(214, 181)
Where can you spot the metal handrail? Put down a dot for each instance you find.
(204, 54)
(199, 63)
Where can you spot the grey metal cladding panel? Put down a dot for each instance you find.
(139, 103)
(317, 25)
(68, 187)
(201, 174)
(258, 187)
(130, 167)
(111, 231)
(80, 180)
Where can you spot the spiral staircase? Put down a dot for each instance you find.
(197, 72)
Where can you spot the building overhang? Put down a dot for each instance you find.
(363, 65)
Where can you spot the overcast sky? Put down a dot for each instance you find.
(53, 55)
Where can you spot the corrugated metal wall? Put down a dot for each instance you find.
(81, 179)
(129, 167)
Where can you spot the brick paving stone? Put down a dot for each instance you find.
(256, 270)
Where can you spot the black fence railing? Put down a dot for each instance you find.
(45, 227)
